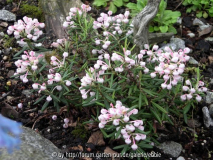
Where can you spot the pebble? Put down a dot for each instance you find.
(197, 22)
(7, 16)
(180, 158)
(191, 35)
(5, 58)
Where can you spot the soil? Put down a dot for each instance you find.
(74, 138)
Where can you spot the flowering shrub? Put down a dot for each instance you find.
(150, 82)
(130, 131)
(8, 126)
(26, 30)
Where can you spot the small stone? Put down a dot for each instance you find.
(33, 146)
(171, 148)
(192, 123)
(10, 73)
(209, 97)
(202, 27)
(193, 61)
(210, 59)
(211, 110)
(210, 39)
(180, 158)
(197, 22)
(27, 92)
(2, 34)
(191, 35)
(208, 121)
(9, 98)
(4, 24)
(7, 16)
(5, 58)
(187, 21)
(203, 45)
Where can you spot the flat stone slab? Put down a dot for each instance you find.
(171, 148)
(33, 147)
(7, 16)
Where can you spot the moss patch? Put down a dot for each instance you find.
(32, 11)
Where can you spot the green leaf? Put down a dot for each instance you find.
(199, 14)
(44, 65)
(118, 3)
(185, 118)
(44, 106)
(156, 28)
(159, 107)
(151, 29)
(121, 146)
(21, 51)
(132, 6)
(100, 3)
(104, 133)
(108, 97)
(164, 29)
(140, 100)
(172, 29)
(40, 99)
(186, 108)
(118, 133)
(112, 7)
(149, 92)
(156, 115)
(205, 15)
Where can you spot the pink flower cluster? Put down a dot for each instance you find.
(28, 64)
(28, 28)
(191, 92)
(73, 11)
(171, 64)
(112, 26)
(59, 42)
(91, 77)
(120, 117)
(53, 77)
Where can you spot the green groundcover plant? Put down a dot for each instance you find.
(97, 66)
(203, 8)
(113, 4)
(164, 20)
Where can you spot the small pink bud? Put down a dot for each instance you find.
(54, 117)
(66, 120)
(20, 105)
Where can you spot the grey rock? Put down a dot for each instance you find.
(175, 44)
(193, 61)
(179, 20)
(10, 73)
(202, 27)
(208, 121)
(171, 148)
(209, 97)
(211, 110)
(7, 16)
(56, 12)
(2, 34)
(193, 123)
(3, 24)
(211, 81)
(33, 147)
(209, 39)
(191, 35)
(27, 92)
(180, 158)
(197, 22)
